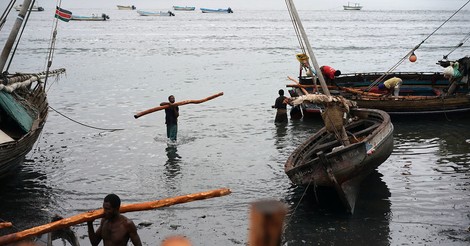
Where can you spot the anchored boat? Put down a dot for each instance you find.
(23, 106)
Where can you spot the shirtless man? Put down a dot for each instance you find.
(114, 229)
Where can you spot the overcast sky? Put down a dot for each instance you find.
(259, 4)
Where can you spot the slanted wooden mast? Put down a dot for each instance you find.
(298, 26)
(13, 34)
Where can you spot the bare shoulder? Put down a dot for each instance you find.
(127, 222)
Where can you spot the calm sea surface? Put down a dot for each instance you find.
(419, 196)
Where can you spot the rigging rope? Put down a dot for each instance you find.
(50, 55)
(378, 80)
(465, 39)
(98, 128)
(6, 13)
(296, 27)
(21, 34)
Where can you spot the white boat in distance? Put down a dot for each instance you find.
(184, 8)
(122, 7)
(355, 6)
(93, 17)
(206, 10)
(159, 13)
(35, 8)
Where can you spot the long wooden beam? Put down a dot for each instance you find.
(95, 214)
(148, 111)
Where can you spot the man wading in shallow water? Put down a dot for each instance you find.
(114, 229)
(171, 118)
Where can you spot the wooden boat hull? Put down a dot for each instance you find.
(12, 153)
(421, 94)
(320, 160)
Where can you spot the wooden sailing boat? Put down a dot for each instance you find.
(351, 145)
(23, 106)
(421, 94)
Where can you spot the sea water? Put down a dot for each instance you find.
(128, 64)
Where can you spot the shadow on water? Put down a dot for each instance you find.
(327, 223)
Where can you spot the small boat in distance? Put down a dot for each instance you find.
(35, 8)
(184, 8)
(355, 6)
(151, 13)
(121, 7)
(206, 10)
(93, 17)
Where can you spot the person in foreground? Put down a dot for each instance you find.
(171, 118)
(281, 105)
(391, 85)
(114, 229)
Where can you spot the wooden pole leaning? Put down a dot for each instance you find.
(151, 110)
(266, 223)
(96, 214)
(299, 85)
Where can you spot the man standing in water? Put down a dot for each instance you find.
(281, 105)
(114, 229)
(171, 118)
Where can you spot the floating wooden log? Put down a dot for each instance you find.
(148, 111)
(96, 214)
(266, 222)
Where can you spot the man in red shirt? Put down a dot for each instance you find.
(329, 73)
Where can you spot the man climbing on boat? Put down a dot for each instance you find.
(391, 85)
(329, 74)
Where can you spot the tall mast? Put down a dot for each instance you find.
(297, 21)
(13, 34)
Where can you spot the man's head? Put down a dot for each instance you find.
(281, 92)
(171, 99)
(337, 73)
(111, 205)
(381, 87)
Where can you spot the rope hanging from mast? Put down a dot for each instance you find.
(50, 55)
(296, 27)
(465, 39)
(380, 79)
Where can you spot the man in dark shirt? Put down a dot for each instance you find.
(281, 105)
(171, 118)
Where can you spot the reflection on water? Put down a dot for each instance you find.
(172, 165)
(27, 192)
(310, 223)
